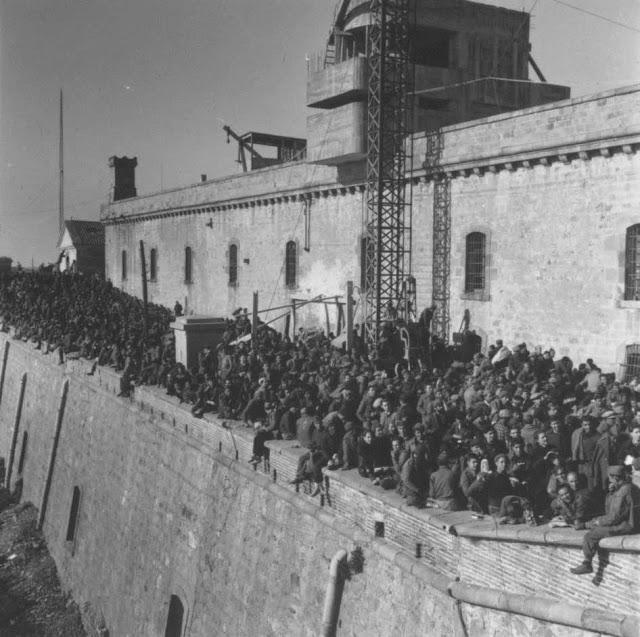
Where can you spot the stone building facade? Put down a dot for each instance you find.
(553, 190)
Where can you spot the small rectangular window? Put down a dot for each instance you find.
(124, 265)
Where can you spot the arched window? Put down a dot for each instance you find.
(290, 264)
(632, 264)
(475, 258)
(174, 618)
(233, 264)
(124, 265)
(188, 265)
(23, 452)
(153, 265)
(73, 514)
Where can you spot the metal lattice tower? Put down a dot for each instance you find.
(387, 125)
(441, 236)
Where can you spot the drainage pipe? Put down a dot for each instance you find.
(333, 596)
(54, 451)
(594, 620)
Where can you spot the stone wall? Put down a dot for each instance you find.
(170, 506)
(260, 233)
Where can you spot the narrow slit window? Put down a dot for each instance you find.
(233, 264)
(124, 265)
(23, 452)
(73, 514)
(153, 265)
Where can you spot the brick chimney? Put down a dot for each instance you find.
(124, 177)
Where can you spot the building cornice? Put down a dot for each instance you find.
(265, 199)
(543, 155)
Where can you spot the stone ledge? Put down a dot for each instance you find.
(622, 543)
(240, 438)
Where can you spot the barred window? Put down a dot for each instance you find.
(632, 264)
(474, 270)
(124, 265)
(632, 362)
(153, 264)
(233, 264)
(188, 265)
(290, 264)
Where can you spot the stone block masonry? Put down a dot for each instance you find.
(169, 506)
(553, 188)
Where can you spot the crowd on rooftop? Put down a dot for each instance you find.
(518, 433)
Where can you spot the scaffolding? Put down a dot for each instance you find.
(387, 221)
(441, 235)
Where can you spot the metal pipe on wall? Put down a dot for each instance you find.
(333, 596)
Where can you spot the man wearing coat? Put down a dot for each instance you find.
(620, 518)
(604, 454)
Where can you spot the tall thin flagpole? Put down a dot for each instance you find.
(61, 164)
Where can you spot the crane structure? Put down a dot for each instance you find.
(388, 215)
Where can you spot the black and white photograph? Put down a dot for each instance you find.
(319, 318)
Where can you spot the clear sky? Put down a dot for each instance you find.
(157, 79)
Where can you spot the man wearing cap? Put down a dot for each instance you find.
(619, 518)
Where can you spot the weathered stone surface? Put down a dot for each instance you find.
(167, 509)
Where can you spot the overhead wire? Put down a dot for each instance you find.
(597, 15)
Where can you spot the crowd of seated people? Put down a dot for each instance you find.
(77, 316)
(520, 434)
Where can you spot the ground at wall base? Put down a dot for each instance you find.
(31, 600)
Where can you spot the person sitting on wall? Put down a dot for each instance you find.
(564, 508)
(622, 514)
(443, 485)
(366, 454)
(475, 501)
(587, 503)
(415, 478)
(310, 468)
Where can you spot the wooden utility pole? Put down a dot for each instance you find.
(254, 321)
(349, 316)
(61, 175)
